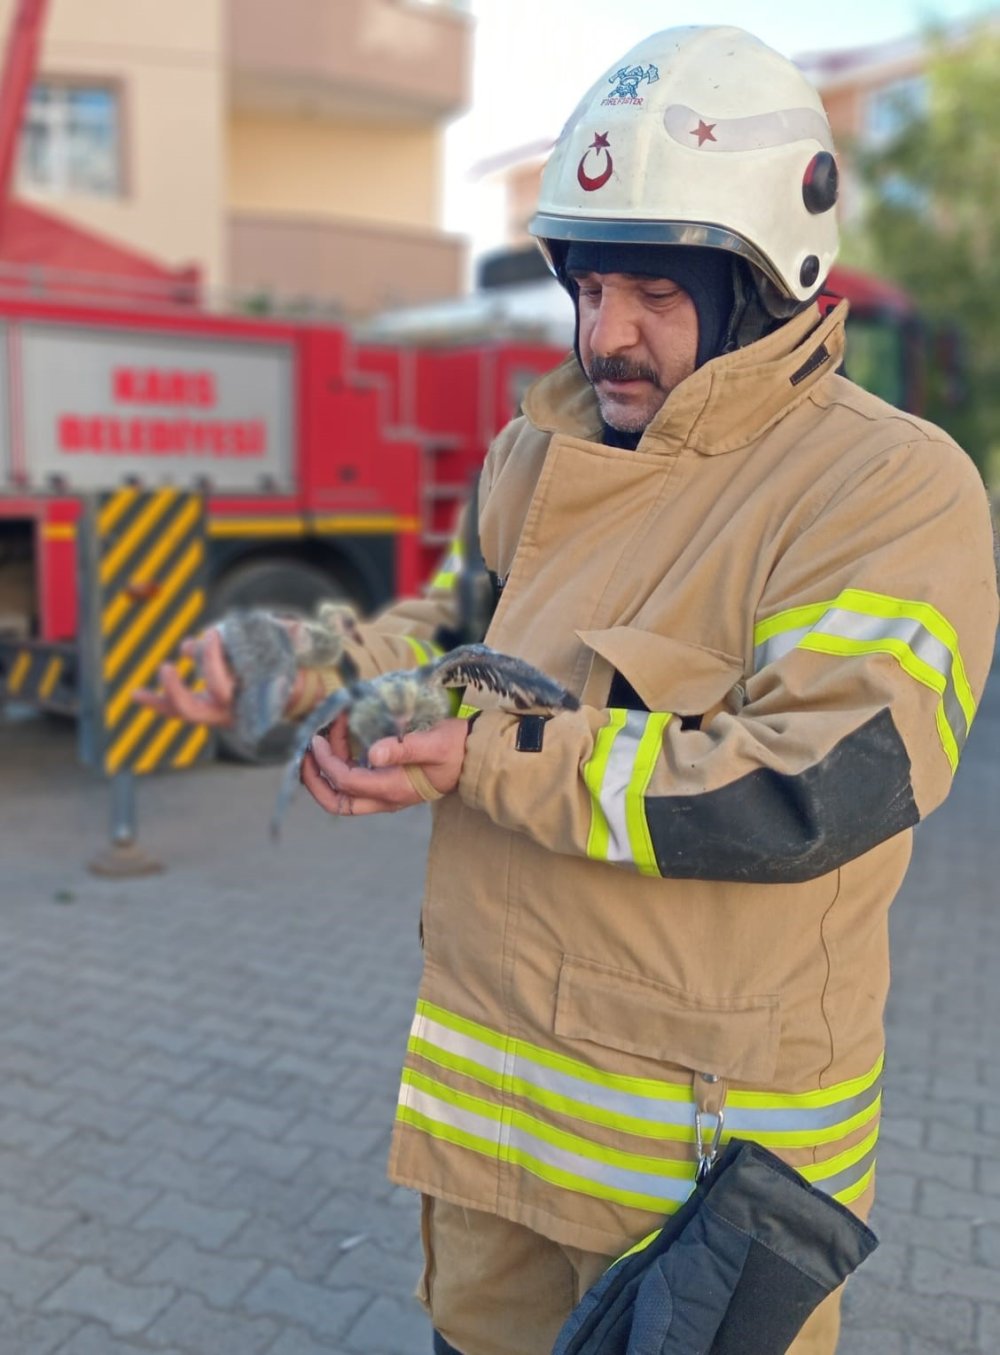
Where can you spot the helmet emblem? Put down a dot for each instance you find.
(705, 131)
(599, 143)
(626, 81)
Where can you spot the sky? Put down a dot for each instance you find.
(535, 58)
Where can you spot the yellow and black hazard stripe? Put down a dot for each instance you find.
(151, 575)
(39, 674)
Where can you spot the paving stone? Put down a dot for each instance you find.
(189, 1140)
(220, 1280)
(267, 1121)
(26, 1279)
(391, 1327)
(97, 1340)
(201, 1181)
(32, 1333)
(125, 1308)
(30, 1136)
(199, 1330)
(120, 1251)
(280, 1160)
(329, 1312)
(29, 1227)
(111, 1201)
(209, 1227)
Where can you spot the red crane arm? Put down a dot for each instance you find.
(20, 61)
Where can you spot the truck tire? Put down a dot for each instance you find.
(281, 585)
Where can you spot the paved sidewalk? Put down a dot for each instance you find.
(197, 1075)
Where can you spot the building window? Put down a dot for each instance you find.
(71, 142)
(890, 109)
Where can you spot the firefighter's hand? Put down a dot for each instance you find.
(211, 703)
(402, 772)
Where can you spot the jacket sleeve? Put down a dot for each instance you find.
(411, 631)
(872, 641)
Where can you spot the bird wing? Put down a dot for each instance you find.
(316, 721)
(479, 666)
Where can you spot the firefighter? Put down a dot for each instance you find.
(661, 920)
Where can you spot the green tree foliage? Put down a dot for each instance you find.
(932, 224)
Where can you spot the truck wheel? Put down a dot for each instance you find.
(273, 585)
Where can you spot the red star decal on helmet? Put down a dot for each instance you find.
(601, 145)
(704, 131)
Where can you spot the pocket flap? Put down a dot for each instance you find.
(735, 1039)
(670, 675)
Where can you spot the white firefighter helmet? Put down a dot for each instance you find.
(700, 136)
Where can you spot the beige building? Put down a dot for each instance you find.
(291, 150)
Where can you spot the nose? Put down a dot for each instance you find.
(615, 328)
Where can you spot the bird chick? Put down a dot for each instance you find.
(409, 700)
(265, 652)
(260, 653)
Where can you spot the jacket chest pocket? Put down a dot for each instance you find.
(736, 1038)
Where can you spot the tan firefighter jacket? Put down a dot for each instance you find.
(670, 918)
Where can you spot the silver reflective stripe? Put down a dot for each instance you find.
(631, 1111)
(514, 1142)
(615, 783)
(659, 1110)
(850, 1176)
(597, 1171)
(852, 625)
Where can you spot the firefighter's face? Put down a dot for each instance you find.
(638, 340)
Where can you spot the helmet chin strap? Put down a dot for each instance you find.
(758, 307)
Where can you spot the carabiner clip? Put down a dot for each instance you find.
(707, 1153)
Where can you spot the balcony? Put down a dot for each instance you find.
(357, 267)
(380, 60)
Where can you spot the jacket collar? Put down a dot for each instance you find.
(725, 405)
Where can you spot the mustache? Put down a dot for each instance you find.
(620, 369)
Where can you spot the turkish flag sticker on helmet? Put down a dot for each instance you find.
(599, 144)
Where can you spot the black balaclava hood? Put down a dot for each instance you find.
(705, 274)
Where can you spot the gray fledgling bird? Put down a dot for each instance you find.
(265, 653)
(409, 700)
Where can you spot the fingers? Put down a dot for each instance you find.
(212, 705)
(219, 681)
(334, 799)
(436, 745)
(338, 739)
(179, 702)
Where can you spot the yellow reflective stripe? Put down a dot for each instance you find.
(446, 578)
(465, 711)
(514, 1137)
(594, 769)
(650, 748)
(638, 1105)
(907, 660)
(423, 649)
(851, 1193)
(547, 1133)
(572, 1162)
(833, 1166)
(859, 622)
